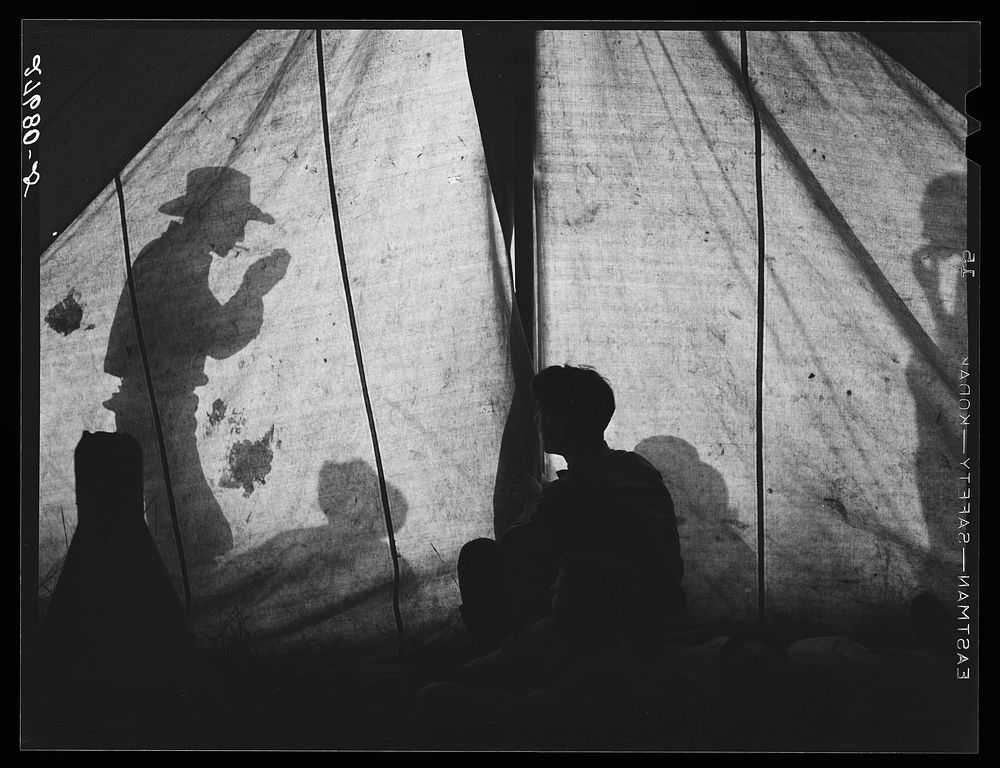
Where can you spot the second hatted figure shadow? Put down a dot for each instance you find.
(298, 579)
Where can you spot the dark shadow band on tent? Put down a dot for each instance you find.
(501, 66)
(897, 308)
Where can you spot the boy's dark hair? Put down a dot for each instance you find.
(581, 392)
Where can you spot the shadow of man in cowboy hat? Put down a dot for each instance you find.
(937, 267)
(182, 323)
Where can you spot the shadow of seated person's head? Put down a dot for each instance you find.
(350, 497)
(720, 566)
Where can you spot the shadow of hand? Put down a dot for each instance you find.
(267, 272)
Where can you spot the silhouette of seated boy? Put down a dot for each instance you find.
(568, 673)
(608, 502)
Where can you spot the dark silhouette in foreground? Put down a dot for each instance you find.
(607, 502)
(118, 658)
(182, 324)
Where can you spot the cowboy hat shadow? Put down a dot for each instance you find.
(168, 322)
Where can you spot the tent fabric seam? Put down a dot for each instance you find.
(383, 490)
(761, 292)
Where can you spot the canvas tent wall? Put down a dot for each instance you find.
(768, 276)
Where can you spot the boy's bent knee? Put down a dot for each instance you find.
(478, 555)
